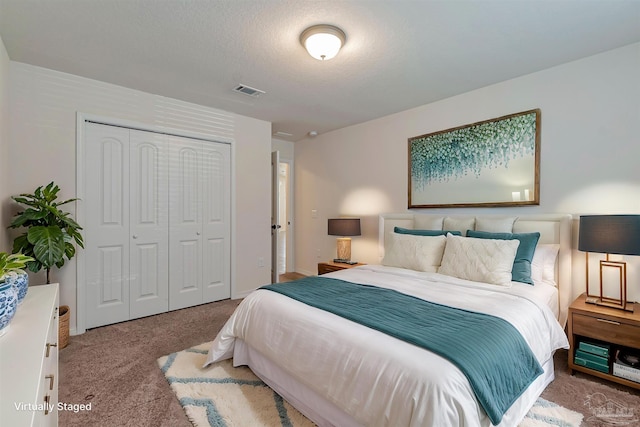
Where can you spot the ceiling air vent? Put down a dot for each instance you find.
(248, 90)
(280, 133)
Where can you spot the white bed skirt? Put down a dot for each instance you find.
(326, 414)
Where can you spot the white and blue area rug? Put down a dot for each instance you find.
(222, 395)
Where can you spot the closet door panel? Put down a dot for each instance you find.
(149, 232)
(107, 225)
(185, 223)
(216, 221)
(186, 285)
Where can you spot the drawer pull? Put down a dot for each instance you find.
(50, 378)
(611, 322)
(47, 399)
(49, 346)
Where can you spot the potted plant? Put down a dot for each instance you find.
(12, 262)
(9, 263)
(50, 232)
(16, 276)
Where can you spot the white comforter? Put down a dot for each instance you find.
(376, 379)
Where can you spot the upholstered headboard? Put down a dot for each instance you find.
(553, 228)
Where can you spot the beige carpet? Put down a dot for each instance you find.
(221, 395)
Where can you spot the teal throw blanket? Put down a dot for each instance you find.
(490, 352)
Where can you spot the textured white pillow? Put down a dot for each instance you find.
(543, 264)
(495, 225)
(421, 253)
(459, 224)
(480, 260)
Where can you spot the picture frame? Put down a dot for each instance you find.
(491, 163)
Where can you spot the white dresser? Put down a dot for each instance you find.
(29, 361)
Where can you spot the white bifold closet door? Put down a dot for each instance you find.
(157, 227)
(199, 195)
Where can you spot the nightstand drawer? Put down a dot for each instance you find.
(606, 330)
(328, 268)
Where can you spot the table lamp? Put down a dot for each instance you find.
(610, 234)
(344, 227)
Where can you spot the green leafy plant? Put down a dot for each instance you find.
(50, 232)
(12, 262)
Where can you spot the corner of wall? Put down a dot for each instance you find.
(5, 193)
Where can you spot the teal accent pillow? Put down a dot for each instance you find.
(521, 271)
(401, 230)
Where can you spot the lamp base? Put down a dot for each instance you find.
(628, 306)
(620, 303)
(344, 248)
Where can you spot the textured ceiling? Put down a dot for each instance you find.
(399, 54)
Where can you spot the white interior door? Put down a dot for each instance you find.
(216, 221)
(185, 223)
(275, 215)
(199, 222)
(149, 224)
(285, 256)
(106, 224)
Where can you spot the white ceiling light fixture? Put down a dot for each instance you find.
(323, 41)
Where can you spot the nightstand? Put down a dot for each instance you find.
(606, 327)
(328, 267)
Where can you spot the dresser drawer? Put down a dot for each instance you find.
(606, 330)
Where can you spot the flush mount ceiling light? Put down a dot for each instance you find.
(323, 41)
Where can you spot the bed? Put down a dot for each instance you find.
(339, 372)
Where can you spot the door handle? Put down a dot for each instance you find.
(611, 322)
(50, 378)
(49, 345)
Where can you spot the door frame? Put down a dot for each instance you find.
(81, 119)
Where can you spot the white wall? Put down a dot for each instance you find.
(5, 242)
(589, 154)
(286, 148)
(42, 147)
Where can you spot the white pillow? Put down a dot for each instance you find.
(421, 253)
(495, 225)
(459, 224)
(543, 264)
(480, 260)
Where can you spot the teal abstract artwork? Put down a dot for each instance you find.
(493, 162)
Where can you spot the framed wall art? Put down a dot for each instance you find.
(491, 163)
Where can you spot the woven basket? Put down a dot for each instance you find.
(63, 326)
